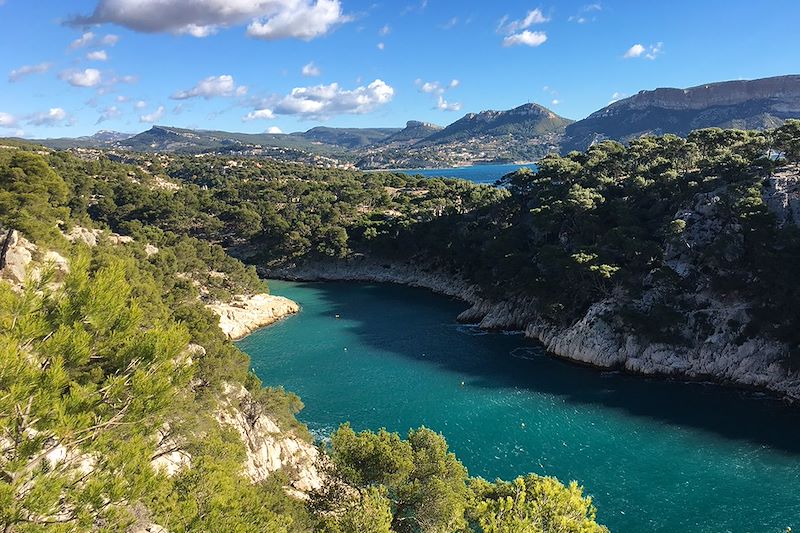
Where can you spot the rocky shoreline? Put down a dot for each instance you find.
(245, 314)
(592, 340)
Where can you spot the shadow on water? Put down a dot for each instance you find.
(382, 323)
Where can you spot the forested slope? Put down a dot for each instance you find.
(124, 407)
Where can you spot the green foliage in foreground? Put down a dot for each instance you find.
(382, 483)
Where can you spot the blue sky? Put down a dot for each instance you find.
(72, 68)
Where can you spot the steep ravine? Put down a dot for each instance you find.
(593, 339)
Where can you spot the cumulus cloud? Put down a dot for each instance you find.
(89, 77)
(84, 40)
(97, 55)
(648, 52)
(385, 30)
(508, 27)
(211, 87)
(259, 114)
(48, 118)
(141, 104)
(527, 38)
(434, 87)
(109, 40)
(311, 70)
(444, 105)
(153, 117)
(439, 89)
(7, 120)
(324, 101)
(274, 130)
(303, 21)
(268, 19)
(26, 70)
(109, 113)
(381, 46)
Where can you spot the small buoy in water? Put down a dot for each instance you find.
(523, 424)
(462, 383)
(337, 316)
(345, 349)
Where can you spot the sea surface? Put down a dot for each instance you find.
(478, 173)
(655, 455)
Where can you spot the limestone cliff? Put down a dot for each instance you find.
(596, 338)
(245, 314)
(743, 104)
(269, 447)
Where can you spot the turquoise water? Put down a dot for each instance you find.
(655, 455)
(477, 173)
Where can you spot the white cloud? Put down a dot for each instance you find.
(587, 13)
(323, 101)
(109, 113)
(508, 27)
(431, 87)
(259, 114)
(83, 40)
(381, 46)
(527, 38)
(97, 55)
(122, 99)
(212, 86)
(141, 104)
(616, 97)
(26, 70)
(89, 77)
(438, 89)
(385, 30)
(444, 105)
(450, 24)
(311, 69)
(274, 130)
(153, 117)
(109, 40)
(48, 118)
(648, 52)
(7, 120)
(555, 101)
(268, 19)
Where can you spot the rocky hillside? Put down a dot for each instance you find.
(414, 131)
(525, 121)
(747, 104)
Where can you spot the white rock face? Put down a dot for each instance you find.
(90, 236)
(246, 314)
(269, 448)
(592, 339)
(20, 263)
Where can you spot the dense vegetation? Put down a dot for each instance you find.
(97, 372)
(665, 225)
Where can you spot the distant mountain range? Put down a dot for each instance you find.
(524, 133)
(754, 104)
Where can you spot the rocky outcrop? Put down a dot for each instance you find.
(90, 237)
(245, 314)
(715, 353)
(269, 447)
(23, 259)
(782, 196)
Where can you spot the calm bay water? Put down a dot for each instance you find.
(477, 173)
(655, 455)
